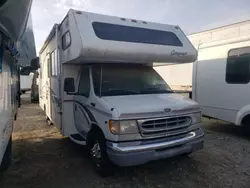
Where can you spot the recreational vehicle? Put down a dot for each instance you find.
(222, 73)
(26, 82)
(13, 20)
(98, 86)
(219, 79)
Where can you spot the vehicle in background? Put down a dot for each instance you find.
(222, 73)
(35, 88)
(98, 86)
(26, 82)
(220, 76)
(16, 13)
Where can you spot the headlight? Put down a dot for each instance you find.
(123, 127)
(196, 118)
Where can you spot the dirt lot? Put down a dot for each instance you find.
(43, 158)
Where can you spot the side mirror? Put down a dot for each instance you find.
(69, 85)
(34, 63)
(25, 70)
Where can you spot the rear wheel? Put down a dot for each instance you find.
(246, 124)
(101, 162)
(7, 158)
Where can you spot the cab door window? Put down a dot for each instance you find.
(84, 83)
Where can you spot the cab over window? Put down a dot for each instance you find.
(84, 83)
(238, 66)
(66, 40)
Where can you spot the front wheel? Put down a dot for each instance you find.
(7, 158)
(100, 159)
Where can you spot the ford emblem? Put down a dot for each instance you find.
(167, 110)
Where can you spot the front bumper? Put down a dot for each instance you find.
(136, 153)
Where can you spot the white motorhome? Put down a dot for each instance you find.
(98, 86)
(221, 74)
(13, 20)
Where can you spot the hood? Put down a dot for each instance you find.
(152, 105)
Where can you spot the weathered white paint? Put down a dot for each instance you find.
(229, 102)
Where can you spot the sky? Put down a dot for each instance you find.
(191, 15)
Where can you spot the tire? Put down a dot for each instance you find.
(7, 158)
(15, 117)
(100, 160)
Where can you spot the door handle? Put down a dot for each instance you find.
(75, 108)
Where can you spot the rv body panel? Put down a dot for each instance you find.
(8, 100)
(84, 41)
(211, 89)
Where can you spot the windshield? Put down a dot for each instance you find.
(127, 80)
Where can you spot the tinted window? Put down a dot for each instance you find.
(127, 80)
(238, 66)
(84, 84)
(66, 40)
(114, 32)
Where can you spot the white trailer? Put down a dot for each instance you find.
(13, 20)
(98, 86)
(222, 73)
(26, 82)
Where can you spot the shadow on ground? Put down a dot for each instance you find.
(44, 158)
(53, 162)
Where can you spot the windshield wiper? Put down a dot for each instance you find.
(154, 89)
(123, 90)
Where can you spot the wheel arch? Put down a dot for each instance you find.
(242, 115)
(94, 131)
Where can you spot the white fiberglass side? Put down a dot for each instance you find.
(6, 108)
(178, 76)
(219, 97)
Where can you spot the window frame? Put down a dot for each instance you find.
(141, 35)
(48, 62)
(67, 46)
(232, 57)
(51, 63)
(89, 89)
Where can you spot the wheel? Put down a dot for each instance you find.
(7, 158)
(101, 162)
(246, 124)
(15, 117)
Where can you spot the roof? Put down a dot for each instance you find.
(51, 35)
(221, 27)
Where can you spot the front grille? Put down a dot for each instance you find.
(166, 126)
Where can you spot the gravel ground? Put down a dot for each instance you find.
(43, 158)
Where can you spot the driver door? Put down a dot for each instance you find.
(81, 101)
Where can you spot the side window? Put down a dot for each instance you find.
(48, 67)
(238, 66)
(84, 83)
(66, 40)
(54, 63)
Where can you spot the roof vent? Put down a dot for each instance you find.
(78, 12)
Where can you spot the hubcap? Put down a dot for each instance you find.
(96, 153)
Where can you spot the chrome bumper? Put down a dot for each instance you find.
(140, 152)
(154, 146)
